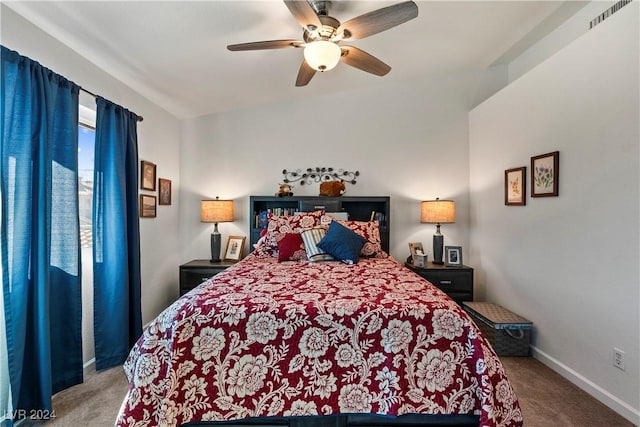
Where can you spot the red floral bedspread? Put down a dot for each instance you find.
(279, 339)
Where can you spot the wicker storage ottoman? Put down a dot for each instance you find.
(508, 333)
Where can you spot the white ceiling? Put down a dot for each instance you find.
(174, 52)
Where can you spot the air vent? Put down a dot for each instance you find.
(607, 13)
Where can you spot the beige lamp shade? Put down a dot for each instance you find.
(438, 211)
(216, 211)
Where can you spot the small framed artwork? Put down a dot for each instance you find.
(235, 246)
(453, 256)
(545, 172)
(164, 191)
(147, 175)
(147, 206)
(418, 257)
(416, 248)
(515, 186)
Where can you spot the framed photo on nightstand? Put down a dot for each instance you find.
(418, 257)
(416, 248)
(453, 256)
(235, 245)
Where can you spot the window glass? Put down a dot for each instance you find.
(86, 156)
(86, 145)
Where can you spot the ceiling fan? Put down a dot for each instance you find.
(322, 35)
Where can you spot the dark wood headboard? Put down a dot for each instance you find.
(359, 208)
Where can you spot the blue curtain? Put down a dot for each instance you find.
(40, 242)
(116, 235)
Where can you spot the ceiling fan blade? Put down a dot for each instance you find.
(269, 44)
(363, 61)
(304, 14)
(378, 20)
(305, 74)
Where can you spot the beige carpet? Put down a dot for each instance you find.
(547, 400)
(94, 403)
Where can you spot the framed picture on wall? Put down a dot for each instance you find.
(147, 175)
(545, 172)
(147, 206)
(453, 256)
(515, 186)
(164, 191)
(235, 246)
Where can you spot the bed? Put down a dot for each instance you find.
(292, 340)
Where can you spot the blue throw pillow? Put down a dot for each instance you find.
(341, 243)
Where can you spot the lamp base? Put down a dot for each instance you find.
(215, 247)
(438, 246)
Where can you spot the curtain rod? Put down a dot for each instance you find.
(140, 118)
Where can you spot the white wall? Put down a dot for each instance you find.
(408, 142)
(567, 32)
(158, 142)
(509, 68)
(568, 263)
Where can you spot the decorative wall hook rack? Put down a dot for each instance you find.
(319, 174)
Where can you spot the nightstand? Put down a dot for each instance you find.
(197, 271)
(457, 282)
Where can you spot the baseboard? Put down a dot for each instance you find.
(624, 409)
(89, 366)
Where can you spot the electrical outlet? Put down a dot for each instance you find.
(618, 358)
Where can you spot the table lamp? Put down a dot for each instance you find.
(216, 211)
(438, 212)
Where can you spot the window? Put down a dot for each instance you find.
(86, 145)
(86, 156)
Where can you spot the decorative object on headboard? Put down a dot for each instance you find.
(332, 188)
(285, 190)
(319, 174)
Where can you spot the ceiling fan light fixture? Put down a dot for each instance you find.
(322, 55)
